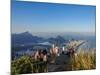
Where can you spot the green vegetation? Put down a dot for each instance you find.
(26, 64)
(84, 61)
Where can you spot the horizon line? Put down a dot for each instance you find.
(51, 32)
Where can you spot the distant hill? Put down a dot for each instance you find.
(28, 38)
(57, 40)
(25, 38)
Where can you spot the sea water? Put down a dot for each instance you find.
(89, 45)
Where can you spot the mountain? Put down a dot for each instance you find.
(57, 40)
(25, 38)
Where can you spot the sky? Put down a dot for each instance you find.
(38, 17)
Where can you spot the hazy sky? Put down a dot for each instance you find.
(46, 17)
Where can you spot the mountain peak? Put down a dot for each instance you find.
(26, 33)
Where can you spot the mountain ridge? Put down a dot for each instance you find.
(26, 37)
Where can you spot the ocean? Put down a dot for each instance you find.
(89, 45)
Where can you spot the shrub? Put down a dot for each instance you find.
(84, 61)
(26, 64)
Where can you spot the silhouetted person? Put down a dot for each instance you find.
(45, 55)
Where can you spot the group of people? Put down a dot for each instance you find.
(40, 55)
